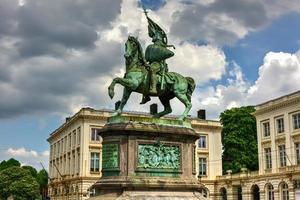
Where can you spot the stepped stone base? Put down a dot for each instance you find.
(147, 160)
(151, 195)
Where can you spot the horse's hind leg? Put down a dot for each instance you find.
(188, 105)
(126, 95)
(167, 107)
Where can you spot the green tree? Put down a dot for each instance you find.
(19, 183)
(32, 170)
(9, 163)
(239, 139)
(42, 178)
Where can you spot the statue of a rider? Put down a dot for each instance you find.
(156, 55)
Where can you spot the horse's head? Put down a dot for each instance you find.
(133, 51)
(130, 47)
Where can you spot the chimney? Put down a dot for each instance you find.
(117, 104)
(202, 114)
(153, 109)
(68, 119)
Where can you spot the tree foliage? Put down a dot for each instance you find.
(9, 163)
(32, 170)
(239, 139)
(42, 178)
(19, 183)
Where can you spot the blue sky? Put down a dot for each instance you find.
(61, 57)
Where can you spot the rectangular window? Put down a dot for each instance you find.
(62, 145)
(282, 155)
(69, 164)
(202, 141)
(58, 147)
(78, 135)
(94, 135)
(280, 125)
(54, 150)
(73, 163)
(296, 120)
(297, 148)
(95, 162)
(202, 166)
(266, 130)
(70, 137)
(74, 138)
(66, 143)
(78, 162)
(268, 158)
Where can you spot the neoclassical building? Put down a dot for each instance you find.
(75, 153)
(278, 177)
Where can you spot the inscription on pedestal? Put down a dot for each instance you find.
(159, 157)
(110, 156)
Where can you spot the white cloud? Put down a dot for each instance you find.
(26, 157)
(278, 75)
(52, 79)
(203, 63)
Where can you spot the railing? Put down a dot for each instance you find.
(238, 175)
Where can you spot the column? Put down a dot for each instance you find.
(273, 146)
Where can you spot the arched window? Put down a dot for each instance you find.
(284, 191)
(223, 194)
(270, 192)
(255, 192)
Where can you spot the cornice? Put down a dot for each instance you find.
(92, 114)
(277, 103)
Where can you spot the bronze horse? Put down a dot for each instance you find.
(136, 79)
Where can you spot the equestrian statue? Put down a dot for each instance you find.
(148, 74)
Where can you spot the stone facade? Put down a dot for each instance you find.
(76, 153)
(278, 177)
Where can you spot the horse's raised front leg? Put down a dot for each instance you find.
(111, 88)
(188, 105)
(126, 95)
(127, 83)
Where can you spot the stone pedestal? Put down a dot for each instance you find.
(147, 159)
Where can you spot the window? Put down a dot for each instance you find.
(296, 120)
(282, 155)
(95, 162)
(62, 145)
(66, 143)
(284, 192)
(78, 162)
(280, 125)
(51, 152)
(58, 147)
(297, 148)
(78, 135)
(223, 193)
(202, 167)
(54, 150)
(202, 141)
(69, 164)
(73, 164)
(270, 192)
(268, 157)
(70, 140)
(94, 135)
(266, 127)
(74, 138)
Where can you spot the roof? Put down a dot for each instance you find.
(105, 113)
(277, 102)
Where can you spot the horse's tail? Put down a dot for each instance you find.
(191, 87)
